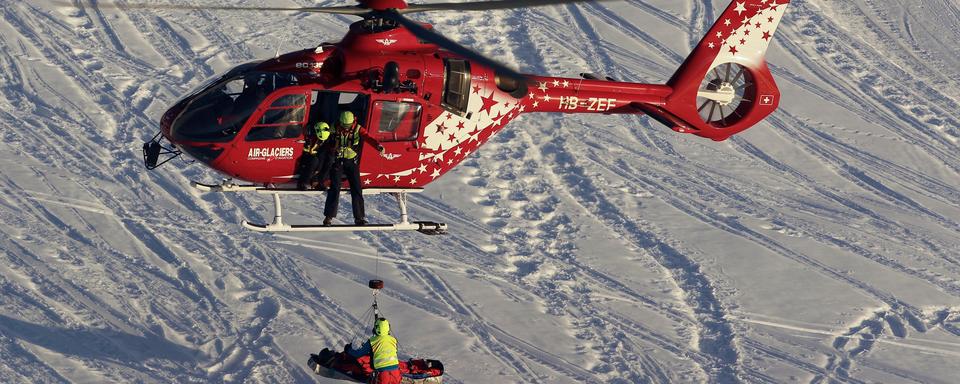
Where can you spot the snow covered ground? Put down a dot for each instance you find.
(821, 246)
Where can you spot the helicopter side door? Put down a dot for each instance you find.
(326, 106)
(273, 143)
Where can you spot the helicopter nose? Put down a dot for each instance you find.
(197, 130)
(206, 153)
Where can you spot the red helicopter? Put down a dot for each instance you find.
(432, 102)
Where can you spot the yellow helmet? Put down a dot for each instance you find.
(381, 327)
(347, 118)
(322, 130)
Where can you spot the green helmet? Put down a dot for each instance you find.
(381, 327)
(347, 118)
(322, 130)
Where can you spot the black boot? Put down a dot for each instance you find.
(328, 221)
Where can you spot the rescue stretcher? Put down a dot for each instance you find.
(342, 366)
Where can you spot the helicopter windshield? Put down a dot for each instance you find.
(239, 70)
(218, 112)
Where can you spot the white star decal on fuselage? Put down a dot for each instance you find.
(450, 137)
(740, 9)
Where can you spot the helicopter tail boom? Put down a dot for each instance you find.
(721, 89)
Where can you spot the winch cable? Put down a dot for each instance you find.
(373, 312)
(357, 333)
(379, 314)
(376, 285)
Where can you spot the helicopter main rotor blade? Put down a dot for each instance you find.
(450, 45)
(345, 10)
(485, 5)
(341, 10)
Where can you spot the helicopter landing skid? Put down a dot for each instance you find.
(425, 227)
(226, 186)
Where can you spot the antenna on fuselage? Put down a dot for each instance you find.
(279, 47)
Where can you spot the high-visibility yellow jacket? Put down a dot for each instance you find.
(348, 141)
(382, 347)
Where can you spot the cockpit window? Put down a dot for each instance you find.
(456, 85)
(399, 121)
(235, 72)
(233, 87)
(218, 112)
(283, 120)
(289, 101)
(274, 116)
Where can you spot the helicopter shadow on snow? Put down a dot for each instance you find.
(96, 343)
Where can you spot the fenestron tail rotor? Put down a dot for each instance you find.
(725, 95)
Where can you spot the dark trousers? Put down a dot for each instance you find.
(314, 167)
(350, 170)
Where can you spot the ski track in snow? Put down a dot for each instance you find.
(620, 240)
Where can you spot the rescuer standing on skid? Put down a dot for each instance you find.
(348, 136)
(382, 349)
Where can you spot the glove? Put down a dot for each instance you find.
(380, 148)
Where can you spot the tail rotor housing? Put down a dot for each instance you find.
(726, 95)
(725, 85)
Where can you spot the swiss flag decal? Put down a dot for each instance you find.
(767, 99)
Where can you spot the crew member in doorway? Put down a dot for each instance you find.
(349, 139)
(382, 349)
(318, 152)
